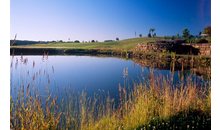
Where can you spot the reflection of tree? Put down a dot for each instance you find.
(175, 66)
(182, 75)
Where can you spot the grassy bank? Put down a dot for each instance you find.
(126, 44)
(121, 48)
(154, 104)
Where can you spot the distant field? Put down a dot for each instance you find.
(126, 44)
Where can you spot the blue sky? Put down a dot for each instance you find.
(105, 19)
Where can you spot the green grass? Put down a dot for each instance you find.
(126, 44)
(152, 104)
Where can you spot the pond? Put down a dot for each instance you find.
(54, 74)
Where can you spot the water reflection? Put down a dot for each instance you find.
(95, 74)
(182, 67)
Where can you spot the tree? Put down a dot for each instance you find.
(60, 40)
(117, 39)
(152, 30)
(93, 41)
(190, 36)
(149, 35)
(135, 33)
(96, 41)
(140, 35)
(177, 36)
(207, 30)
(185, 32)
(200, 33)
(154, 35)
(76, 41)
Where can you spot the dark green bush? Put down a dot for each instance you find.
(196, 41)
(108, 40)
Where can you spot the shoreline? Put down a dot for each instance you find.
(111, 52)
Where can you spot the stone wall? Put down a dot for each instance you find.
(204, 48)
(152, 47)
(195, 48)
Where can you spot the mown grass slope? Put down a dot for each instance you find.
(126, 44)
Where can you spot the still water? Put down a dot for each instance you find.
(43, 74)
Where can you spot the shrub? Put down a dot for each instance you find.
(160, 41)
(108, 40)
(150, 42)
(196, 41)
(179, 41)
(76, 41)
(202, 41)
(209, 39)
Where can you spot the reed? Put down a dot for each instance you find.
(153, 104)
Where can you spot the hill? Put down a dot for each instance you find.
(126, 44)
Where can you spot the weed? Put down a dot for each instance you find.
(155, 103)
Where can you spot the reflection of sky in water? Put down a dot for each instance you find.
(81, 71)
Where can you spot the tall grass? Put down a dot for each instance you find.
(153, 104)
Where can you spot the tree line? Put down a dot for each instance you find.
(185, 34)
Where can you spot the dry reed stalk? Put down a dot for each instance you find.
(21, 58)
(25, 61)
(158, 98)
(14, 40)
(52, 69)
(33, 64)
(47, 55)
(13, 53)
